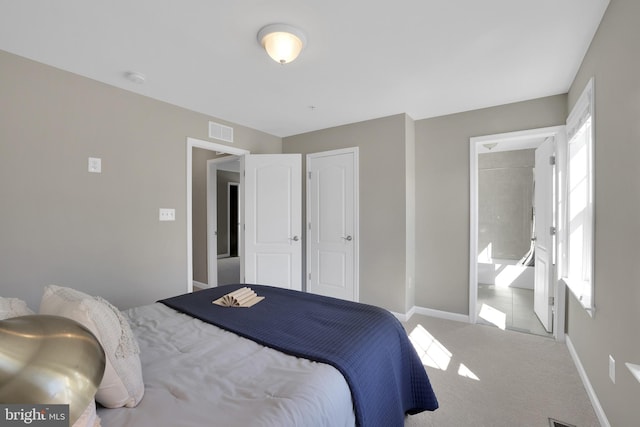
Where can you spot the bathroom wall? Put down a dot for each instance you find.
(505, 203)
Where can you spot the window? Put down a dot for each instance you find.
(578, 192)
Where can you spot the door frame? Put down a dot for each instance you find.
(356, 213)
(518, 138)
(211, 146)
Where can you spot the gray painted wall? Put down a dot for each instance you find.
(426, 165)
(100, 233)
(383, 217)
(505, 202)
(96, 232)
(442, 193)
(614, 61)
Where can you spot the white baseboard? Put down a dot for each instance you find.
(401, 317)
(404, 317)
(442, 314)
(200, 284)
(602, 417)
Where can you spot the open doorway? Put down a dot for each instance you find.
(512, 282)
(271, 218)
(223, 219)
(198, 236)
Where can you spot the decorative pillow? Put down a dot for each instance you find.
(122, 383)
(89, 418)
(13, 307)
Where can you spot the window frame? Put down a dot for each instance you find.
(582, 283)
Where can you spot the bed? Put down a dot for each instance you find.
(279, 363)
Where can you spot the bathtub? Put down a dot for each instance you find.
(506, 273)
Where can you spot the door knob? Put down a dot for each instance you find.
(348, 238)
(294, 238)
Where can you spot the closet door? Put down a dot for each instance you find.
(332, 224)
(272, 212)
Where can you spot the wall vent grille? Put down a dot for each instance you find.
(221, 132)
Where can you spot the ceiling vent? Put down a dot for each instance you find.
(222, 132)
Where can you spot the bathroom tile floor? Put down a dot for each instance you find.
(509, 308)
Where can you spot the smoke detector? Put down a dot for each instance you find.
(135, 77)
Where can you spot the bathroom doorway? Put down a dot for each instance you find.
(504, 251)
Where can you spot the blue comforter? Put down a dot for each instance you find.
(367, 344)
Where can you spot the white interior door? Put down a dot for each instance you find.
(332, 224)
(272, 213)
(544, 214)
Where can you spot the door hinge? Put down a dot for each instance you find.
(552, 301)
(309, 174)
(552, 160)
(309, 226)
(309, 276)
(552, 231)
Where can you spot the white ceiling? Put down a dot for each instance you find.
(364, 59)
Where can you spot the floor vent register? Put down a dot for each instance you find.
(556, 423)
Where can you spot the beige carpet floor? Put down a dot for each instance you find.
(487, 377)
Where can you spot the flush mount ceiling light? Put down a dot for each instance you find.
(282, 42)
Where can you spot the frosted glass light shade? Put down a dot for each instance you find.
(282, 42)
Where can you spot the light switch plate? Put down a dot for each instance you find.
(167, 214)
(95, 165)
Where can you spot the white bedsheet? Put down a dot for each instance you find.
(197, 374)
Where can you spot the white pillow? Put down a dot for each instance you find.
(13, 307)
(122, 383)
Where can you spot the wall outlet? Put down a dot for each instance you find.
(612, 369)
(167, 214)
